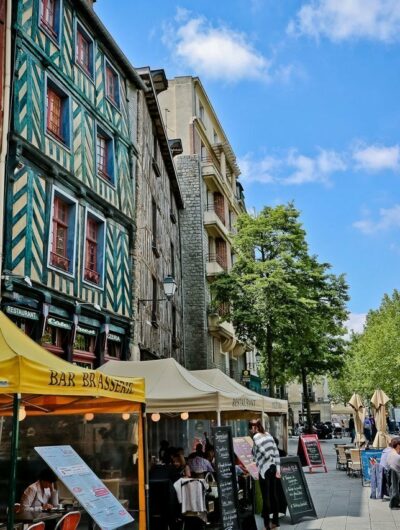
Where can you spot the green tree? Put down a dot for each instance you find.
(373, 360)
(281, 299)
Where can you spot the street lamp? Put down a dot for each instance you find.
(169, 286)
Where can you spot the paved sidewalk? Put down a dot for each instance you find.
(341, 502)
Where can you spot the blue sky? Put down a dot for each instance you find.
(308, 93)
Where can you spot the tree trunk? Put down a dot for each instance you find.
(306, 401)
(270, 369)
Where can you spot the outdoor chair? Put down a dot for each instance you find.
(341, 462)
(69, 521)
(37, 526)
(354, 465)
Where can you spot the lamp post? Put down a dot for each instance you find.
(169, 286)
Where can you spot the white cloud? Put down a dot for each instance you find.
(377, 158)
(317, 169)
(215, 52)
(341, 20)
(388, 218)
(356, 322)
(292, 168)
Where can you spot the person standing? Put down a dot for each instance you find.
(352, 430)
(267, 458)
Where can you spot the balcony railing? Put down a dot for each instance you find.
(216, 258)
(221, 216)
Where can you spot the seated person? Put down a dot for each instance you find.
(198, 451)
(199, 466)
(179, 468)
(42, 494)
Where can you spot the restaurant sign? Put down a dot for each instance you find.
(246, 376)
(23, 313)
(63, 324)
(85, 486)
(86, 331)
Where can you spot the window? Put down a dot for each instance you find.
(57, 113)
(154, 242)
(59, 255)
(203, 152)
(154, 305)
(172, 260)
(105, 155)
(201, 112)
(62, 244)
(94, 249)
(84, 50)
(112, 84)
(50, 17)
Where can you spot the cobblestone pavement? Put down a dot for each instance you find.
(341, 502)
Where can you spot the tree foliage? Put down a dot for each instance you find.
(373, 360)
(281, 299)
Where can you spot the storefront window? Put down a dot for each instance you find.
(55, 339)
(114, 346)
(84, 347)
(108, 444)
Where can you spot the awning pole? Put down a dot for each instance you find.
(14, 454)
(218, 418)
(146, 464)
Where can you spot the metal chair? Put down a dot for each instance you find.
(37, 526)
(69, 521)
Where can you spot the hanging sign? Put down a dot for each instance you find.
(246, 376)
(85, 486)
(310, 452)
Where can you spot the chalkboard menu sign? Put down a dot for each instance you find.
(226, 477)
(296, 491)
(310, 453)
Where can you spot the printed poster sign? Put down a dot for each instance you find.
(243, 450)
(369, 458)
(85, 486)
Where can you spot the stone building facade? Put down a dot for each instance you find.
(208, 174)
(157, 256)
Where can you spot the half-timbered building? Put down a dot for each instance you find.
(69, 213)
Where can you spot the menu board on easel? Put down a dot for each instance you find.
(226, 478)
(310, 452)
(243, 450)
(296, 491)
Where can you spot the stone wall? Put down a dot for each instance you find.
(193, 263)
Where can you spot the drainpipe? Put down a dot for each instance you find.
(6, 123)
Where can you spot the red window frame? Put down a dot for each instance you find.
(83, 51)
(48, 17)
(54, 113)
(111, 84)
(102, 156)
(59, 251)
(91, 263)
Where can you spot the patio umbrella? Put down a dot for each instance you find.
(359, 415)
(379, 400)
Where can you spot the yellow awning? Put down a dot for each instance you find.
(27, 368)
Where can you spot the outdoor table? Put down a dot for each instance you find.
(35, 516)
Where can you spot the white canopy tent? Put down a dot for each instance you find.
(170, 388)
(218, 379)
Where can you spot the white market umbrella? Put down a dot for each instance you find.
(379, 401)
(357, 405)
